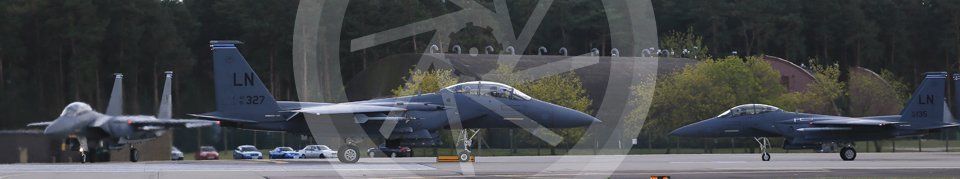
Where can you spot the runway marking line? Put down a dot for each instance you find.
(711, 162)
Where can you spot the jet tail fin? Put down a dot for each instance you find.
(115, 105)
(956, 96)
(926, 107)
(166, 98)
(239, 91)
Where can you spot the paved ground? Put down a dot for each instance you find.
(933, 164)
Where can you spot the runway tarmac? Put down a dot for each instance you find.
(932, 164)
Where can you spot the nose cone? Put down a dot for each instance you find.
(62, 126)
(574, 118)
(699, 129)
(685, 131)
(56, 129)
(583, 119)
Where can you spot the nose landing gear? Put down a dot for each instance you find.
(466, 140)
(764, 145)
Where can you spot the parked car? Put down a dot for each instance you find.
(284, 153)
(175, 154)
(383, 150)
(318, 151)
(247, 152)
(207, 153)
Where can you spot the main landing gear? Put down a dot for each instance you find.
(466, 140)
(134, 154)
(764, 145)
(349, 152)
(847, 153)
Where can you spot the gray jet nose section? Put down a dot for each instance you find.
(62, 127)
(573, 118)
(699, 129)
(56, 129)
(684, 131)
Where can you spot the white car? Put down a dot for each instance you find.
(318, 151)
(175, 154)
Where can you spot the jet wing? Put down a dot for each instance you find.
(853, 122)
(40, 124)
(186, 123)
(348, 108)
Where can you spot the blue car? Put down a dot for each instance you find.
(247, 152)
(285, 153)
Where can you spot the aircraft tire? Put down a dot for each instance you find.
(464, 156)
(848, 154)
(134, 155)
(349, 154)
(765, 157)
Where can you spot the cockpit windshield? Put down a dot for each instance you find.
(75, 108)
(748, 109)
(487, 88)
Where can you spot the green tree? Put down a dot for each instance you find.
(872, 95)
(678, 42)
(425, 82)
(704, 90)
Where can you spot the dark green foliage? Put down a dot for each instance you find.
(53, 52)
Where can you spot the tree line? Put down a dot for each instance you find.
(53, 52)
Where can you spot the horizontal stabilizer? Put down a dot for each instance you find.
(853, 122)
(814, 129)
(218, 118)
(40, 124)
(345, 108)
(161, 124)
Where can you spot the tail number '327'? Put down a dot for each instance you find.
(249, 99)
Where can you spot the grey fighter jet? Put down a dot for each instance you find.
(243, 102)
(81, 125)
(926, 112)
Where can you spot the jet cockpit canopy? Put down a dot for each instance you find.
(748, 109)
(487, 88)
(75, 108)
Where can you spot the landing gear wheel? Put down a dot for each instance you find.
(134, 155)
(764, 145)
(848, 154)
(83, 157)
(349, 154)
(464, 156)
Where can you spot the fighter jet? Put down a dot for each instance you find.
(242, 101)
(81, 125)
(926, 112)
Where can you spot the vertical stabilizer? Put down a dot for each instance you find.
(926, 107)
(115, 105)
(956, 95)
(166, 99)
(239, 91)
